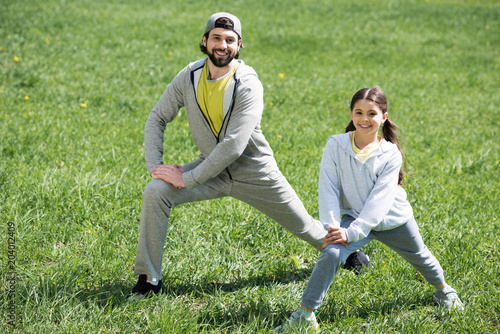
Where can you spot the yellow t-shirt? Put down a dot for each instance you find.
(363, 155)
(210, 97)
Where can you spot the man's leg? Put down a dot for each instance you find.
(273, 196)
(159, 198)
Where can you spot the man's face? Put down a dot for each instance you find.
(222, 46)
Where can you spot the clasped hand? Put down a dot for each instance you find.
(169, 173)
(336, 235)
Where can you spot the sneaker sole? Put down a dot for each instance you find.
(438, 301)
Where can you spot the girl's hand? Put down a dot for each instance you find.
(336, 235)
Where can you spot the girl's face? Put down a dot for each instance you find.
(367, 117)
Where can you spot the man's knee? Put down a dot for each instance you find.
(156, 190)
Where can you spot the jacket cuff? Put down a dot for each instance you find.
(352, 236)
(188, 179)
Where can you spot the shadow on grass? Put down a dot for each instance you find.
(115, 293)
(212, 287)
(249, 312)
(99, 294)
(267, 316)
(332, 312)
(232, 314)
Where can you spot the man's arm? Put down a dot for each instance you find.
(163, 113)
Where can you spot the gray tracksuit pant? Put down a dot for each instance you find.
(404, 240)
(271, 194)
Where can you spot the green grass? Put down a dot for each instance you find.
(72, 113)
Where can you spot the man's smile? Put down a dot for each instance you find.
(221, 53)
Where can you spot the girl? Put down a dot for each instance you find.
(361, 199)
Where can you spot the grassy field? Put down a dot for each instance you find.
(78, 79)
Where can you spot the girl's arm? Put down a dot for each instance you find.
(329, 188)
(379, 201)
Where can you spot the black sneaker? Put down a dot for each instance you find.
(143, 289)
(357, 261)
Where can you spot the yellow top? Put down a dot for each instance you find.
(363, 155)
(210, 97)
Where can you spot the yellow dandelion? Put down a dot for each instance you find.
(1, 48)
(271, 104)
(1, 90)
(136, 28)
(27, 98)
(279, 136)
(84, 105)
(281, 75)
(16, 59)
(47, 41)
(170, 53)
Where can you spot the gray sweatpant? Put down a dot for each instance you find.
(271, 194)
(404, 240)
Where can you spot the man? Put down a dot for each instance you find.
(223, 100)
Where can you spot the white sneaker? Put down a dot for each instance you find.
(448, 298)
(299, 320)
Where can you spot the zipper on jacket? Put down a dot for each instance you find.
(199, 107)
(228, 116)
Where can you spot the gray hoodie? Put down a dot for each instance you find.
(368, 192)
(240, 150)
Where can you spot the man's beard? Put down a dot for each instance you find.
(222, 62)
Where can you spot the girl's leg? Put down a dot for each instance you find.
(322, 276)
(327, 266)
(407, 242)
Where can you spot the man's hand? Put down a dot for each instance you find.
(169, 173)
(336, 235)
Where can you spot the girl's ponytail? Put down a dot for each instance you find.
(350, 127)
(390, 134)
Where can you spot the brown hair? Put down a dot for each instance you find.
(222, 20)
(389, 128)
